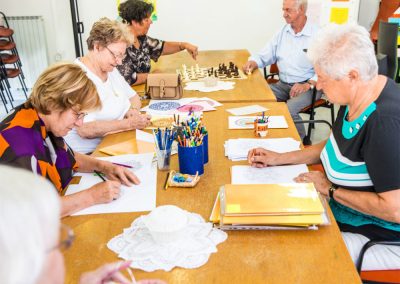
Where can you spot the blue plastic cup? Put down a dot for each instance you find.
(205, 148)
(191, 160)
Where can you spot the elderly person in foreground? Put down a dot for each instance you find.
(361, 158)
(107, 43)
(136, 66)
(31, 137)
(32, 237)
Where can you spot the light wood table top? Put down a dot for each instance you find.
(246, 256)
(254, 88)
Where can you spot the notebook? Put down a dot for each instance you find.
(270, 199)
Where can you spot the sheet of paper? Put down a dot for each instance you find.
(246, 110)
(210, 101)
(137, 198)
(237, 149)
(158, 107)
(247, 122)
(201, 87)
(144, 136)
(268, 175)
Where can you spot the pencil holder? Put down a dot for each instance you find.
(163, 159)
(205, 148)
(191, 159)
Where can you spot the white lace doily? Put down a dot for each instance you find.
(199, 86)
(191, 251)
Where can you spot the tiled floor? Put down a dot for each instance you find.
(320, 133)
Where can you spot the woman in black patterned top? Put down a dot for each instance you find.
(136, 65)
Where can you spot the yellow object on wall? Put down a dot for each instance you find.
(339, 15)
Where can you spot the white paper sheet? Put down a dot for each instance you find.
(268, 175)
(137, 198)
(210, 101)
(237, 149)
(159, 107)
(200, 86)
(246, 110)
(247, 122)
(144, 136)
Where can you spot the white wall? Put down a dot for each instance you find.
(57, 20)
(210, 24)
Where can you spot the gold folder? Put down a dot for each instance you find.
(270, 199)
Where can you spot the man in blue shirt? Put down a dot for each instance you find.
(287, 49)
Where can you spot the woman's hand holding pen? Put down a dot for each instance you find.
(119, 173)
(260, 158)
(105, 192)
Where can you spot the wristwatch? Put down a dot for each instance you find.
(332, 189)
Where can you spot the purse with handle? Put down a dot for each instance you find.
(164, 86)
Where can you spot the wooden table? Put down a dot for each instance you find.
(246, 256)
(254, 88)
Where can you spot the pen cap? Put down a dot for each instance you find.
(191, 159)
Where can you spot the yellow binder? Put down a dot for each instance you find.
(271, 199)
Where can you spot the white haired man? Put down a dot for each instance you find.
(287, 49)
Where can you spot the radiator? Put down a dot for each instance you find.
(30, 38)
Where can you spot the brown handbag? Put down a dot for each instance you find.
(163, 86)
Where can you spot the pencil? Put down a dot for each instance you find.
(100, 175)
(166, 181)
(122, 165)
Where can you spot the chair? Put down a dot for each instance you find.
(377, 276)
(387, 45)
(310, 109)
(273, 71)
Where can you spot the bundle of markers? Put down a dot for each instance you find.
(263, 119)
(192, 132)
(164, 138)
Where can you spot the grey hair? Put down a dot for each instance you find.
(338, 49)
(29, 224)
(303, 3)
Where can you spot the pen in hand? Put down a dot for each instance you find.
(99, 174)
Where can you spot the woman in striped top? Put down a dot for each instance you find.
(361, 158)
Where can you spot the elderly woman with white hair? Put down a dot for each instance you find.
(361, 158)
(31, 237)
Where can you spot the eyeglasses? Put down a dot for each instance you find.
(66, 238)
(117, 56)
(79, 115)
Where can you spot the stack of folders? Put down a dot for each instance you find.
(269, 206)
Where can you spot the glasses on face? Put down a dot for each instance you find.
(116, 56)
(79, 115)
(66, 238)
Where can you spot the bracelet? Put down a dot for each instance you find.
(332, 190)
(180, 46)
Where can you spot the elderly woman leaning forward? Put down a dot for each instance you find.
(361, 158)
(107, 43)
(31, 137)
(136, 65)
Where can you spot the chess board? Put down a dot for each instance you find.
(221, 72)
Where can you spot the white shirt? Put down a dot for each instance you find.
(115, 94)
(286, 49)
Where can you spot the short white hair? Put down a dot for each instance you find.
(299, 3)
(303, 3)
(29, 224)
(338, 49)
